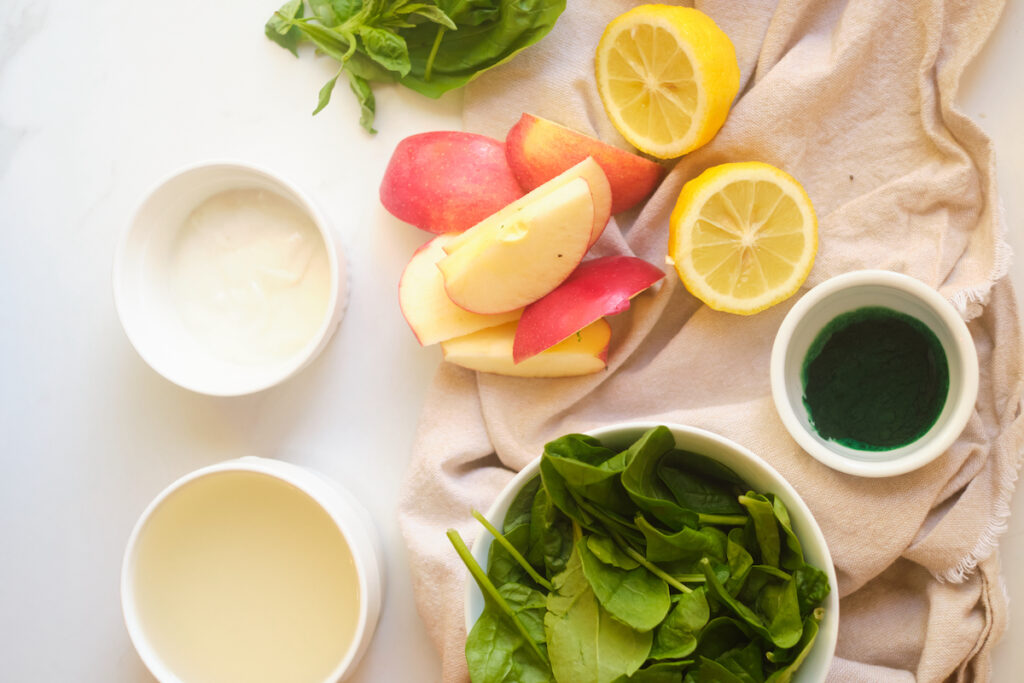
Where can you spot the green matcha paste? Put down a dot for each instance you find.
(875, 379)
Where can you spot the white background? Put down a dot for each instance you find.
(100, 99)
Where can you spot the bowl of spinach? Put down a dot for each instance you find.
(650, 553)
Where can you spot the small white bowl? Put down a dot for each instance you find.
(752, 469)
(145, 302)
(901, 293)
(352, 521)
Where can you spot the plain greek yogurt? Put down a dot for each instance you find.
(249, 276)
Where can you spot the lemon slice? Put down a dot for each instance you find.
(667, 77)
(743, 236)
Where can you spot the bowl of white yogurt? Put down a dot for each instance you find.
(228, 279)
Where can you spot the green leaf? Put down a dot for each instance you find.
(636, 597)
(324, 12)
(765, 526)
(386, 48)
(710, 671)
(744, 662)
(659, 672)
(367, 104)
(685, 475)
(721, 635)
(807, 638)
(497, 652)
(325, 93)
(280, 29)
(641, 481)
(550, 538)
(779, 633)
(740, 561)
(605, 550)
(489, 33)
(811, 587)
(676, 637)
(436, 15)
(529, 604)
(778, 604)
(688, 544)
(585, 645)
(792, 554)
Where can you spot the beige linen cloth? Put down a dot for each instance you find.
(855, 99)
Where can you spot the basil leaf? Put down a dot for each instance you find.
(367, 103)
(281, 31)
(325, 93)
(386, 48)
(436, 15)
(489, 33)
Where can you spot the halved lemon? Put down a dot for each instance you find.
(743, 236)
(667, 77)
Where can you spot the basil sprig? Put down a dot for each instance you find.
(429, 47)
(647, 564)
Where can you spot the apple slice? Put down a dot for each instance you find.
(490, 350)
(588, 169)
(539, 150)
(432, 316)
(447, 181)
(519, 261)
(597, 288)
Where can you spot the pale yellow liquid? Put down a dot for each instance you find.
(242, 578)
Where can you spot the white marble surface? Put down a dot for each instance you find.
(97, 101)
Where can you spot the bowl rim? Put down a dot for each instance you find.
(337, 271)
(347, 516)
(828, 633)
(947, 432)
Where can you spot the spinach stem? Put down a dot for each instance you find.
(489, 591)
(516, 555)
(428, 69)
(724, 520)
(650, 566)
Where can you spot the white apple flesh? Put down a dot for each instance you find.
(432, 316)
(504, 267)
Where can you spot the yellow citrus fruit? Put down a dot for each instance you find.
(667, 77)
(743, 236)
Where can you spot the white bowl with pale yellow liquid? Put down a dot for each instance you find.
(252, 570)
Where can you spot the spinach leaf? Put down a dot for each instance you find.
(710, 671)
(585, 645)
(767, 531)
(579, 447)
(550, 540)
(520, 510)
(740, 561)
(599, 484)
(496, 652)
(659, 672)
(810, 633)
(792, 554)
(778, 603)
(688, 544)
(636, 597)
(605, 550)
(686, 476)
(642, 484)
(558, 490)
(812, 588)
(744, 662)
(676, 637)
(778, 633)
(721, 635)
(529, 605)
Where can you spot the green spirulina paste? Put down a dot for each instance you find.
(875, 379)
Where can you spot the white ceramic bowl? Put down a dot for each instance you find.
(849, 292)
(756, 472)
(352, 521)
(145, 302)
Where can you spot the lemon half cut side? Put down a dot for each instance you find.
(743, 236)
(667, 77)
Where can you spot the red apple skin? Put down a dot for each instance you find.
(539, 149)
(595, 289)
(448, 181)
